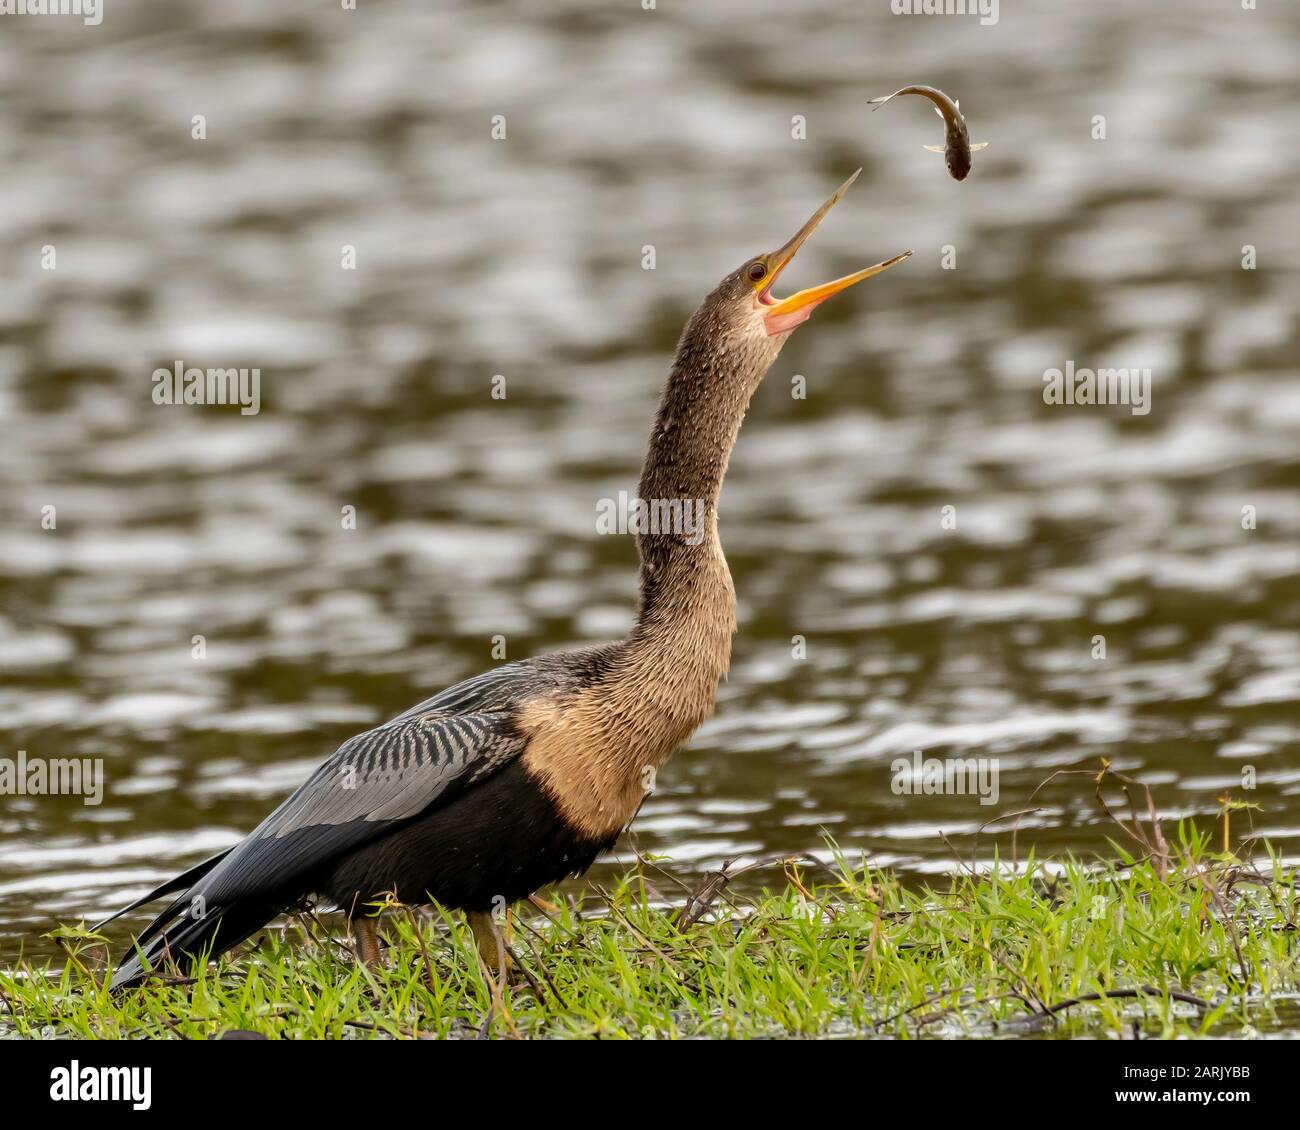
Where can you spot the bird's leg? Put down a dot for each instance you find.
(491, 946)
(365, 933)
(544, 906)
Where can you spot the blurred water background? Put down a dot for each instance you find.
(523, 257)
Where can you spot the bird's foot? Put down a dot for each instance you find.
(365, 941)
(491, 945)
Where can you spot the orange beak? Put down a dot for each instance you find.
(783, 315)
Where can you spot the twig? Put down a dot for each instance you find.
(1127, 994)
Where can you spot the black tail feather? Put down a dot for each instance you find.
(183, 881)
(190, 940)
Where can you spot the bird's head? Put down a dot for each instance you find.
(744, 307)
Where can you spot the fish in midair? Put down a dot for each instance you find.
(957, 148)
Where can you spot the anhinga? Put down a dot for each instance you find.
(524, 775)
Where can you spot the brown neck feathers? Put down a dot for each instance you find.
(598, 753)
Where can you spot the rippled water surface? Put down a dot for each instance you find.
(869, 628)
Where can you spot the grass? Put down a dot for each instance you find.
(1181, 941)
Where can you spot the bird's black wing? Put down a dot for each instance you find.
(379, 779)
(373, 784)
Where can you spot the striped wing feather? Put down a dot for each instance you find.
(381, 778)
(373, 783)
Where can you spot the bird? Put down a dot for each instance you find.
(522, 776)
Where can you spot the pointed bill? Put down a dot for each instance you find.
(790, 312)
(783, 314)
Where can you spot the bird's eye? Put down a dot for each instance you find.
(757, 271)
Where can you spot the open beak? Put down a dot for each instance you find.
(783, 314)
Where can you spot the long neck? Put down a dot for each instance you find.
(662, 681)
(666, 680)
(686, 590)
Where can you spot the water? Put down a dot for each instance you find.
(523, 258)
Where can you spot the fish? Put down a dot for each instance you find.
(957, 147)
